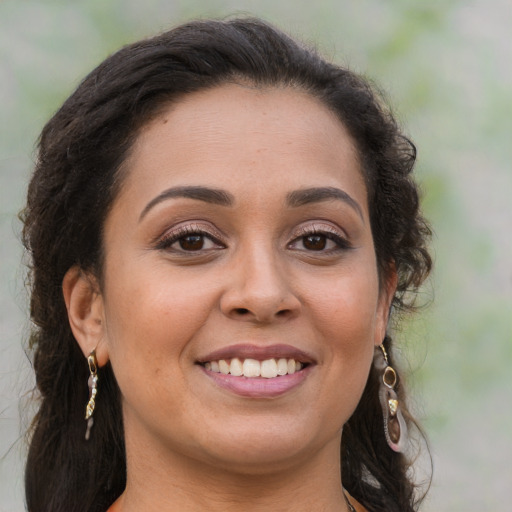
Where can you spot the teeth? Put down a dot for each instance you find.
(268, 369)
(251, 368)
(223, 367)
(282, 366)
(236, 367)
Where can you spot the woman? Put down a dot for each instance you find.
(220, 223)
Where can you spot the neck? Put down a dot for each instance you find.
(166, 481)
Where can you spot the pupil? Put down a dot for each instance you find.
(192, 242)
(315, 242)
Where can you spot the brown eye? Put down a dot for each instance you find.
(325, 242)
(192, 242)
(315, 242)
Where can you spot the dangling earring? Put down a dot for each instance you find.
(93, 390)
(395, 427)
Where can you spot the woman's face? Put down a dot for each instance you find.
(240, 242)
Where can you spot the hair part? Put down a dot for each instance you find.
(78, 174)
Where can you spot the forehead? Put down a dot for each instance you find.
(238, 136)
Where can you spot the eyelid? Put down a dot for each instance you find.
(318, 227)
(173, 234)
(337, 235)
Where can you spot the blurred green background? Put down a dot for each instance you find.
(447, 69)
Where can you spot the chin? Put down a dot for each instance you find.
(259, 461)
(262, 450)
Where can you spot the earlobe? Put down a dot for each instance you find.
(84, 304)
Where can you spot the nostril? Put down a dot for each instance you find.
(241, 311)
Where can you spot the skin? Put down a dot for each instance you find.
(191, 444)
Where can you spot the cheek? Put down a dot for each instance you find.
(151, 318)
(151, 324)
(345, 321)
(348, 308)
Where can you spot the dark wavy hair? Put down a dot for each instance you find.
(76, 178)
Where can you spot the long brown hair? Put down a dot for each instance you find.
(78, 174)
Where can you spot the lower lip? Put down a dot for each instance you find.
(259, 387)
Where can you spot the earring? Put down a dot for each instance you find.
(93, 390)
(395, 428)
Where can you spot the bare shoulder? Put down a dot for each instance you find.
(357, 506)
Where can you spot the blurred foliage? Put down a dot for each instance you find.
(446, 68)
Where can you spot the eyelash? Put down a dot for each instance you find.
(328, 232)
(172, 238)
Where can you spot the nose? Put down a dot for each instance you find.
(259, 290)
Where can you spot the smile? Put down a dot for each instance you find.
(256, 371)
(252, 368)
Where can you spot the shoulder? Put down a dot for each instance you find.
(114, 507)
(357, 506)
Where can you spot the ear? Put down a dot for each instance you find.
(84, 303)
(386, 294)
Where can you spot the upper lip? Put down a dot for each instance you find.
(258, 352)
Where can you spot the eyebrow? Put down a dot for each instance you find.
(318, 194)
(206, 194)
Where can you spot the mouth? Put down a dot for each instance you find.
(253, 368)
(256, 362)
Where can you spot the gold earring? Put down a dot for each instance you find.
(395, 428)
(93, 391)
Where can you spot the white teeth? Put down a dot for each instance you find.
(236, 367)
(268, 369)
(223, 367)
(282, 366)
(251, 368)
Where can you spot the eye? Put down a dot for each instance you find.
(316, 242)
(189, 239)
(193, 242)
(316, 239)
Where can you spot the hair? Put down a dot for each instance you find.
(77, 176)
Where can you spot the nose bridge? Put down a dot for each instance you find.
(263, 276)
(259, 287)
